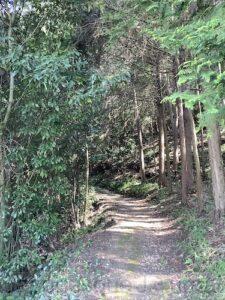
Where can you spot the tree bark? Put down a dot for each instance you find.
(182, 132)
(189, 142)
(202, 142)
(199, 185)
(181, 129)
(167, 151)
(217, 171)
(2, 200)
(86, 184)
(183, 151)
(151, 141)
(162, 176)
(175, 117)
(74, 206)
(175, 125)
(140, 137)
(161, 126)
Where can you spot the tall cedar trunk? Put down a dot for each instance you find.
(167, 150)
(162, 176)
(199, 185)
(179, 106)
(2, 200)
(167, 128)
(175, 111)
(140, 138)
(189, 142)
(182, 134)
(86, 185)
(183, 151)
(202, 142)
(175, 126)
(161, 126)
(151, 141)
(217, 171)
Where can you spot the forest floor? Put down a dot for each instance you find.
(135, 257)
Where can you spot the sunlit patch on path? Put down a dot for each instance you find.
(138, 255)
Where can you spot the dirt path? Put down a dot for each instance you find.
(137, 257)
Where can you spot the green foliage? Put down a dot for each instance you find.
(58, 99)
(52, 276)
(132, 187)
(205, 265)
(197, 245)
(24, 260)
(128, 186)
(198, 28)
(203, 37)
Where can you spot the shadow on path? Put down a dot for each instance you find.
(137, 256)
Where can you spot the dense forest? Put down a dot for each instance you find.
(127, 95)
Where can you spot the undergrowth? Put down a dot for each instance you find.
(54, 272)
(127, 186)
(204, 257)
(48, 263)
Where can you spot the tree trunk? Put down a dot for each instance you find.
(167, 151)
(175, 127)
(189, 141)
(162, 160)
(151, 141)
(202, 142)
(199, 185)
(140, 138)
(175, 117)
(217, 171)
(86, 185)
(2, 200)
(74, 207)
(162, 175)
(183, 151)
(182, 132)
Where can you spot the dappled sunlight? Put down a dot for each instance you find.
(138, 280)
(124, 230)
(119, 293)
(134, 257)
(137, 253)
